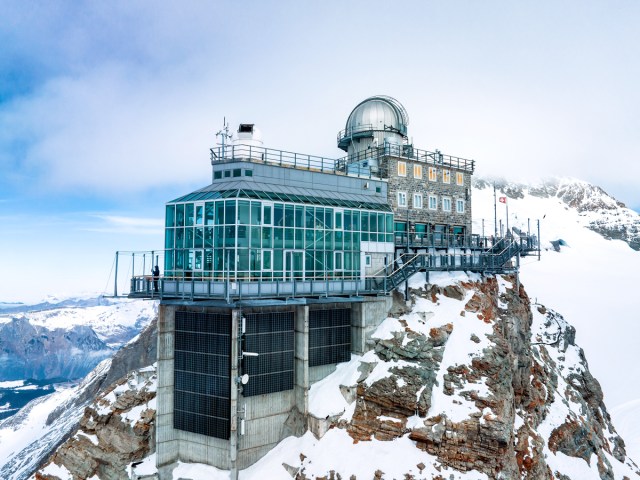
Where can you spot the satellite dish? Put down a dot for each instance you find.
(244, 379)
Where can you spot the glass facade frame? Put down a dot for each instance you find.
(263, 240)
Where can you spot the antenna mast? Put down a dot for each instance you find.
(224, 134)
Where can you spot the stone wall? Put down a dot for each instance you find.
(423, 185)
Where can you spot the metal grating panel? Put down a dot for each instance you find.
(271, 336)
(202, 373)
(329, 336)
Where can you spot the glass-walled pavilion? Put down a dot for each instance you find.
(255, 235)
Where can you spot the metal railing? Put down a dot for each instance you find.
(255, 154)
(408, 152)
(236, 289)
(353, 132)
(451, 240)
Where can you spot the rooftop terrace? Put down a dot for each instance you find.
(303, 161)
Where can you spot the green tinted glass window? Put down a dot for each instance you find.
(188, 213)
(299, 220)
(309, 217)
(267, 237)
(219, 213)
(278, 215)
(180, 215)
(278, 237)
(170, 217)
(256, 213)
(230, 212)
(208, 213)
(244, 215)
(208, 237)
(289, 217)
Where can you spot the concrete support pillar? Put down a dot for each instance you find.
(233, 440)
(358, 329)
(166, 442)
(301, 359)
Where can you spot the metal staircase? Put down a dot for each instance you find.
(496, 259)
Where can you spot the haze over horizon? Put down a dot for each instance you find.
(108, 112)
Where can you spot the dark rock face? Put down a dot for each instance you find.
(37, 352)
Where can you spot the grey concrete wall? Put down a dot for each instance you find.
(318, 373)
(365, 318)
(268, 418)
(301, 359)
(166, 441)
(301, 178)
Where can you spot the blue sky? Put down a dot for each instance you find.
(108, 109)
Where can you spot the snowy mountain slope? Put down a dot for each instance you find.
(64, 341)
(114, 432)
(30, 436)
(115, 321)
(591, 280)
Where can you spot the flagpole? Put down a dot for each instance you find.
(495, 212)
(506, 204)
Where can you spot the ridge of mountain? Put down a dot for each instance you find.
(69, 339)
(597, 210)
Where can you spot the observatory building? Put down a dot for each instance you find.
(280, 268)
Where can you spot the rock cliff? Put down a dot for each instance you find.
(483, 382)
(115, 431)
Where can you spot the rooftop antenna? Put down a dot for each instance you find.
(224, 134)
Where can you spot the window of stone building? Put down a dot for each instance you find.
(446, 204)
(402, 169)
(417, 171)
(433, 174)
(417, 200)
(367, 260)
(402, 199)
(433, 202)
(459, 178)
(459, 206)
(446, 176)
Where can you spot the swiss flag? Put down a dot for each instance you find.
(503, 199)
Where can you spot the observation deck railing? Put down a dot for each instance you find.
(492, 258)
(340, 166)
(408, 152)
(281, 158)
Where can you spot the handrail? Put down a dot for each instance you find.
(409, 152)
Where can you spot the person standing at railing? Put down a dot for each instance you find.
(156, 276)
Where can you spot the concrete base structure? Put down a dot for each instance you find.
(258, 422)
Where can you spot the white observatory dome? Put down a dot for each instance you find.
(377, 116)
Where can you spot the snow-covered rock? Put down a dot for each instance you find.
(31, 436)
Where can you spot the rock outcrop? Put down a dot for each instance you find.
(495, 385)
(115, 431)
